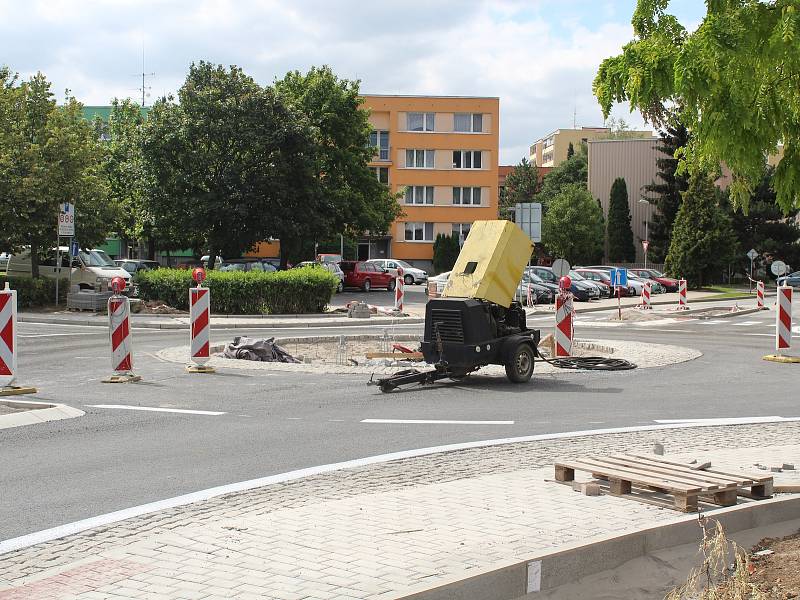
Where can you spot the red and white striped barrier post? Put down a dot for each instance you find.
(760, 295)
(8, 345)
(646, 291)
(564, 330)
(399, 294)
(683, 303)
(119, 328)
(783, 320)
(200, 325)
(530, 296)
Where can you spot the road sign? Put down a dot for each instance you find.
(645, 245)
(561, 267)
(619, 277)
(66, 220)
(528, 215)
(778, 268)
(752, 255)
(74, 248)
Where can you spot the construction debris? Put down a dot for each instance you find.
(264, 350)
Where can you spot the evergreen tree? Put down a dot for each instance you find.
(620, 234)
(668, 191)
(703, 242)
(570, 151)
(521, 186)
(445, 252)
(573, 171)
(572, 228)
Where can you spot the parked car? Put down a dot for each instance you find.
(217, 262)
(366, 275)
(602, 288)
(670, 284)
(540, 292)
(410, 274)
(133, 266)
(436, 284)
(90, 270)
(655, 287)
(329, 258)
(247, 264)
(601, 276)
(334, 269)
(581, 290)
(4, 258)
(792, 280)
(189, 263)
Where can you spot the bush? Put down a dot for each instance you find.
(297, 291)
(35, 292)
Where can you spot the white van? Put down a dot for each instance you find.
(90, 270)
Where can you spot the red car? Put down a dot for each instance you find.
(366, 275)
(667, 282)
(604, 278)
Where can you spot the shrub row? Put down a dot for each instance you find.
(35, 292)
(297, 291)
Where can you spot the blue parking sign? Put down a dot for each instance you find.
(73, 248)
(619, 277)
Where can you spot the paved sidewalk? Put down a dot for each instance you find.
(377, 531)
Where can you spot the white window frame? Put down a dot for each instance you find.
(420, 195)
(377, 172)
(382, 153)
(471, 123)
(464, 154)
(425, 155)
(426, 226)
(459, 229)
(461, 196)
(428, 122)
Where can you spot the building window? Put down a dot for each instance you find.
(468, 122)
(419, 232)
(547, 156)
(382, 173)
(549, 142)
(416, 121)
(419, 194)
(380, 141)
(419, 159)
(466, 159)
(467, 195)
(461, 230)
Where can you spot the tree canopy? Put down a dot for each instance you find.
(734, 80)
(522, 184)
(572, 228)
(620, 234)
(573, 171)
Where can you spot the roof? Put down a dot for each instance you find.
(429, 96)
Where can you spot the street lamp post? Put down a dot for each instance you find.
(643, 200)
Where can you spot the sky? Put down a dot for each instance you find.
(538, 56)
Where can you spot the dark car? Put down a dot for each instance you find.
(582, 290)
(537, 290)
(133, 266)
(602, 276)
(605, 290)
(366, 275)
(792, 280)
(668, 282)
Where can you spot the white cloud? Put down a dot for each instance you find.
(541, 64)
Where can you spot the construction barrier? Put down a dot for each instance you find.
(783, 319)
(760, 294)
(646, 291)
(564, 329)
(8, 336)
(399, 293)
(683, 303)
(119, 328)
(530, 297)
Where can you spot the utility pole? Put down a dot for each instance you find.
(145, 88)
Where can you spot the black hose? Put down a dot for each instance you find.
(590, 363)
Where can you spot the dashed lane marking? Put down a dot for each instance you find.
(433, 422)
(182, 411)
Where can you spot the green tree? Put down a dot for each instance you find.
(667, 193)
(344, 195)
(573, 171)
(735, 78)
(48, 155)
(570, 150)
(620, 234)
(573, 228)
(522, 183)
(229, 162)
(703, 242)
(445, 252)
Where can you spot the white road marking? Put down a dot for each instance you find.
(156, 409)
(44, 335)
(725, 420)
(61, 531)
(435, 422)
(712, 321)
(748, 323)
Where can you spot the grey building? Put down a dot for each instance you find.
(635, 161)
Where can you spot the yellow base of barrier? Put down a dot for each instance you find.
(200, 369)
(781, 359)
(16, 390)
(122, 379)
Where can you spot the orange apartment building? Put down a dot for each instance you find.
(441, 153)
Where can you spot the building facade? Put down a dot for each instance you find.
(441, 154)
(551, 150)
(634, 161)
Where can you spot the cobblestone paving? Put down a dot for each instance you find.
(370, 531)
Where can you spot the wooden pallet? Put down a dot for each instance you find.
(682, 481)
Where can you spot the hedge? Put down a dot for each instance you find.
(297, 291)
(35, 292)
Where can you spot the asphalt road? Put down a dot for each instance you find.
(58, 472)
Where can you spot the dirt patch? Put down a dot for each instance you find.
(154, 307)
(777, 575)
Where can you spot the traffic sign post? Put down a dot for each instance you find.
(645, 246)
(752, 255)
(619, 279)
(65, 228)
(561, 268)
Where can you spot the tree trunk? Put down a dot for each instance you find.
(34, 260)
(151, 249)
